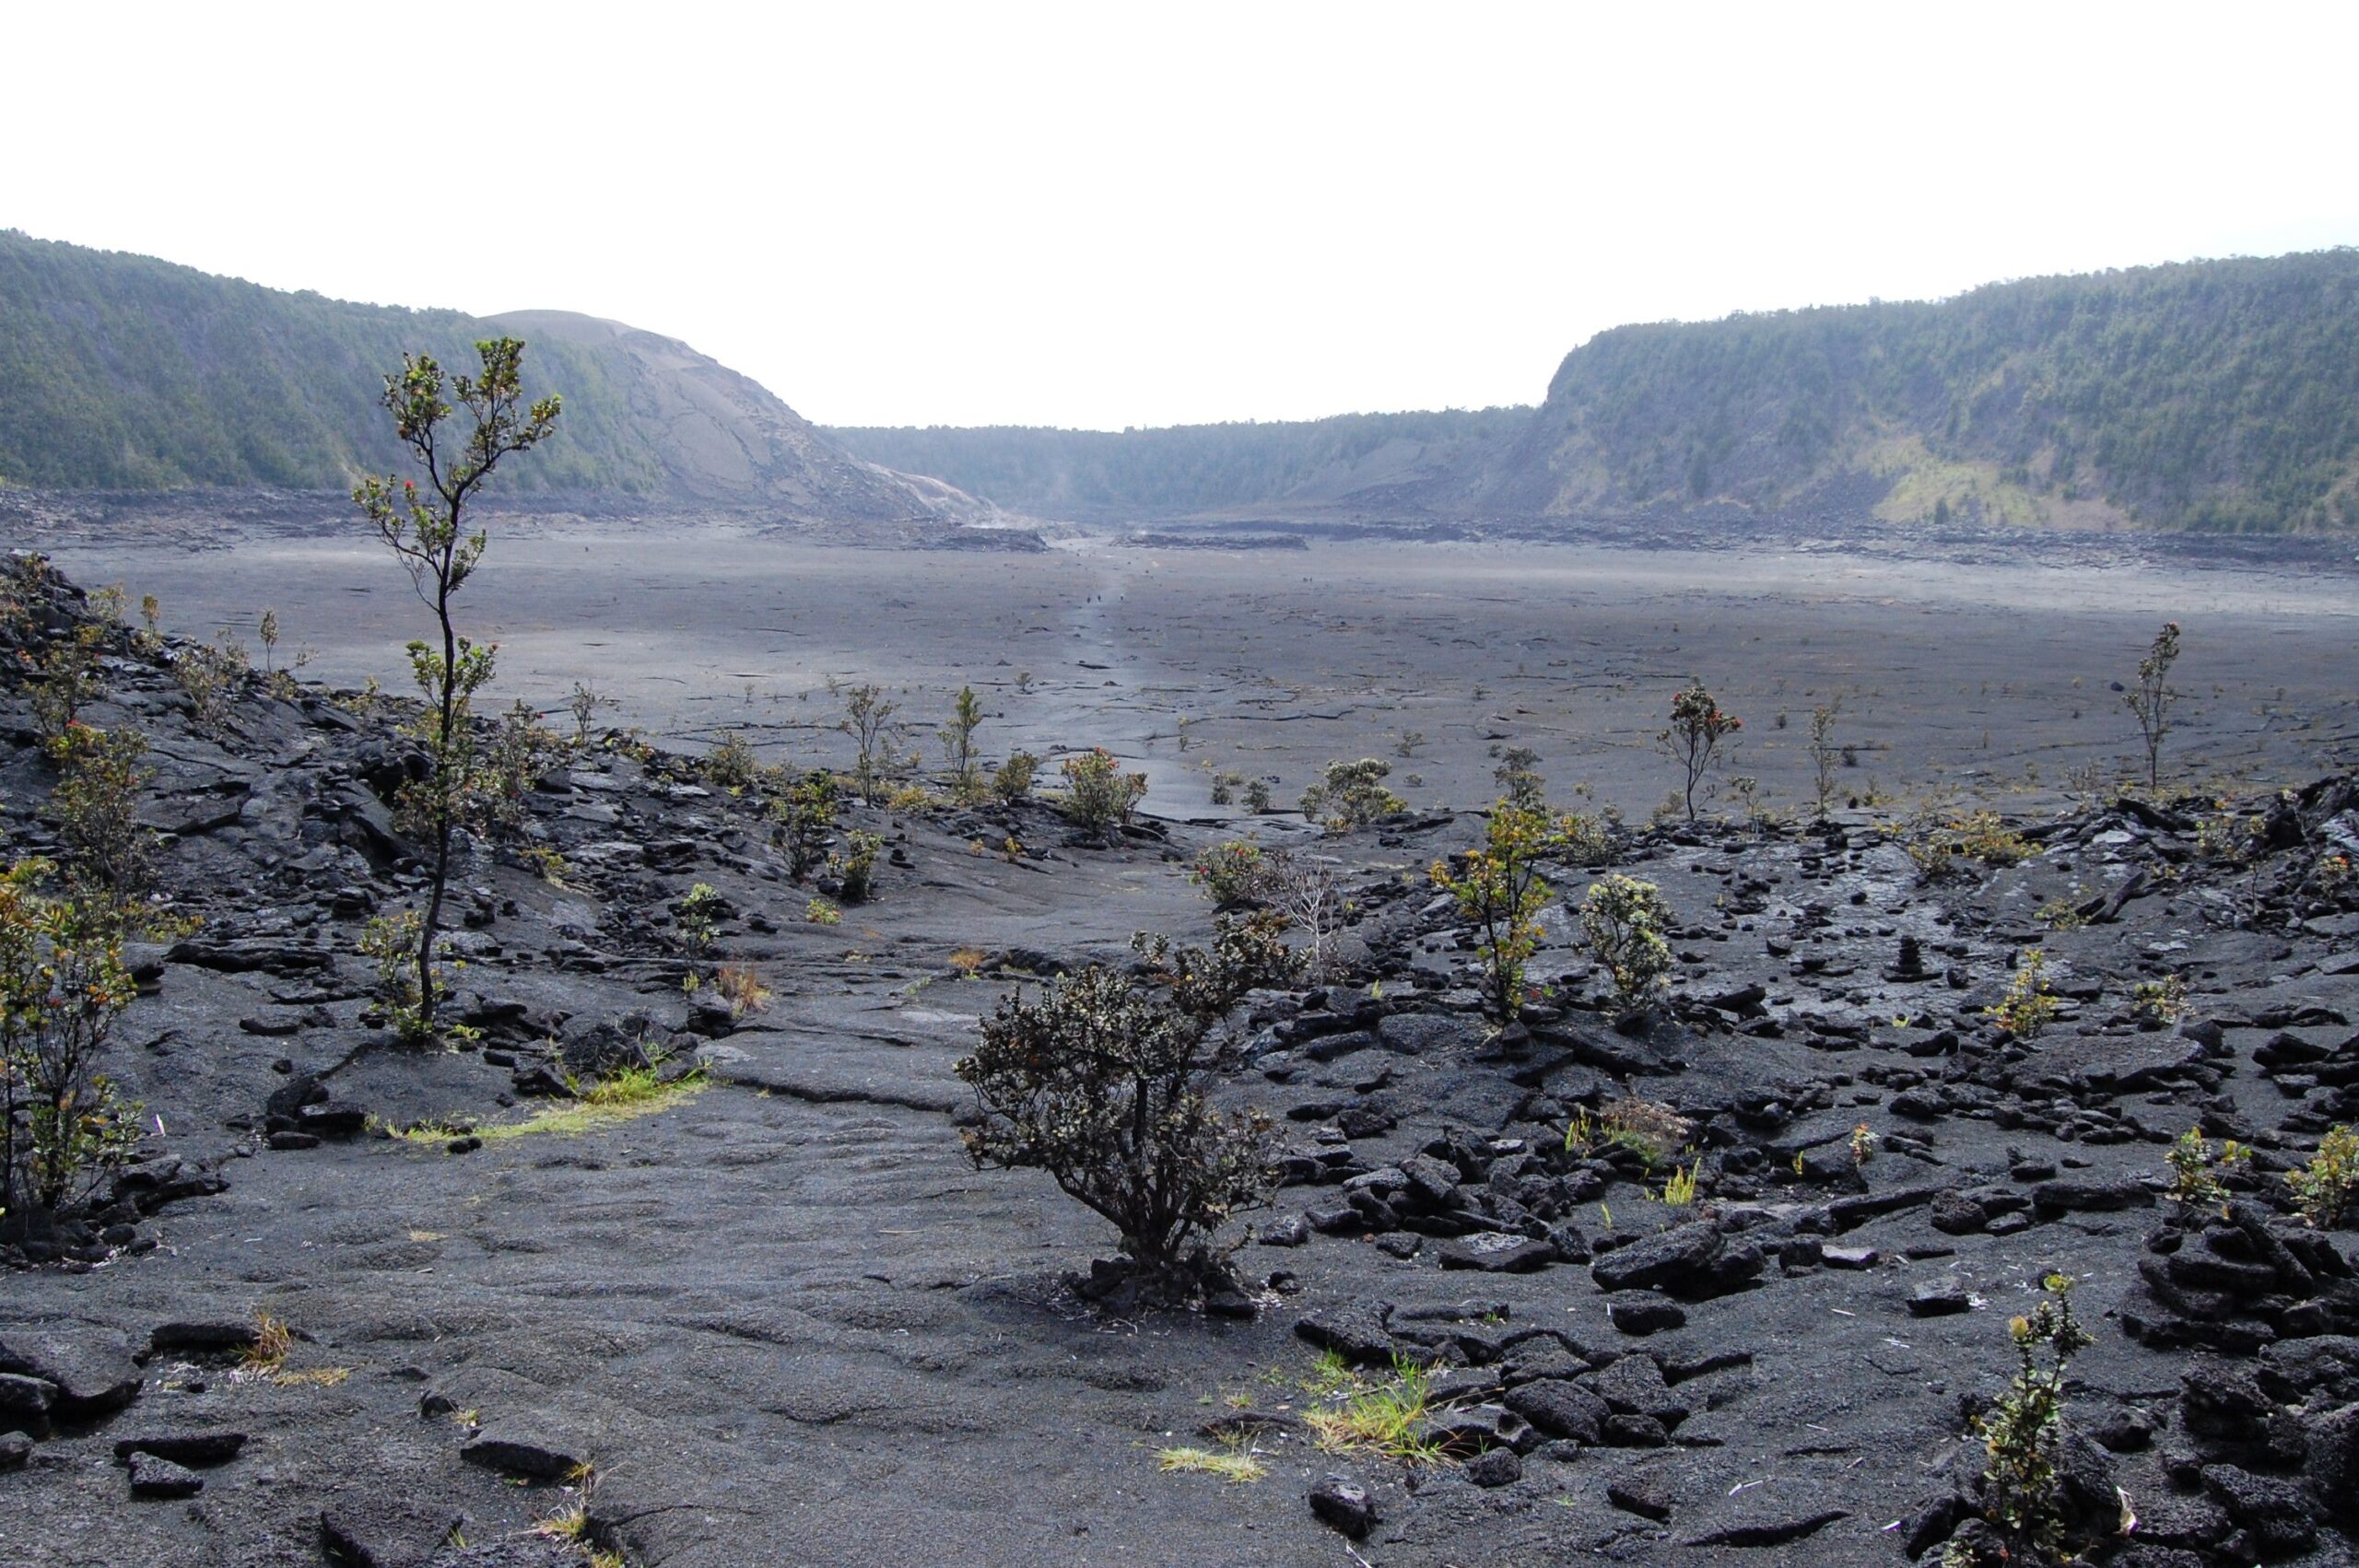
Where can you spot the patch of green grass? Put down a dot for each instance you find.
(1233, 1465)
(627, 1096)
(1382, 1417)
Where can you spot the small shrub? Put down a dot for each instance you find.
(2023, 1433)
(1519, 776)
(585, 704)
(958, 747)
(1099, 797)
(1102, 1082)
(1304, 888)
(695, 919)
(1499, 889)
(1012, 780)
(2060, 914)
(2324, 1189)
(1950, 848)
(2029, 1006)
(1257, 796)
(111, 853)
(2160, 1002)
(1624, 921)
(547, 864)
(1351, 795)
(390, 943)
(2194, 1168)
(62, 984)
(208, 674)
(499, 792)
(855, 868)
(804, 819)
(731, 764)
(2150, 701)
(1646, 1127)
(819, 912)
(1693, 740)
(1224, 787)
(870, 719)
(1231, 874)
(1865, 1143)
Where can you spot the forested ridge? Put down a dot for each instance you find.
(122, 372)
(1200, 468)
(2217, 395)
(2205, 394)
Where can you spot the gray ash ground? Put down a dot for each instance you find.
(787, 1323)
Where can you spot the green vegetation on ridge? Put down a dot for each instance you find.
(2206, 394)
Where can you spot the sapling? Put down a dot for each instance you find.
(1693, 741)
(426, 531)
(2151, 699)
(1497, 888)
(1624, 921)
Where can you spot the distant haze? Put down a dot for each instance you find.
(1104, 215)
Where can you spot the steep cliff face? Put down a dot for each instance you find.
(2209, 394)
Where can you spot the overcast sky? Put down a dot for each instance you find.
(1122, 214)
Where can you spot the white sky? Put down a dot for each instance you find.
(1111, 213)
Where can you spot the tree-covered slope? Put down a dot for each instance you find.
(1420, 462)
(122, 372)
(2208, 394)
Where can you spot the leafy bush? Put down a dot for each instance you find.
(1102, 1083)
(805, 822)
(855, 868)
(958, 747)
(1232, 874)
(2325, 1188)
(1099, 797)
(2160, 1002)
(1519, 775)
(731, 764)
(1012, 782)
(209, 674)
(1499, 888)
(1257, 796)
(112, 854)
(2029, 1006)
(1352, 795)
(1624, 921)
(2194, 1167)
(695, 919)
(518, 751)
(2022, 1434)
(1946, 849)
(1693, 741)
(869, 719)
(390, 943)
(62, 986)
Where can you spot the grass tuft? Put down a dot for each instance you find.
(1233, 1466)
(627, 1096)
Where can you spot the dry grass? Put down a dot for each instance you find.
(1234, 1466)
(273, 1341)
(741, 988)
